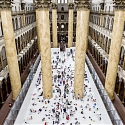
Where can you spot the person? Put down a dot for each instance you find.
(71, 83)
(48, 101)
(76, 108)
(31, 118)
(63, 115)
(76, 122)
(41, 94)
(39, 111)
(64, 110)
(10, 105)
(67, 117)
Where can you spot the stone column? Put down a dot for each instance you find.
(54, 25)
(102, 10)
(114, 52)
(23, 19)
(44, 39)
(120, 82)
(10, 47)
(23, 16)
(81, 41)
(1, 62)
(101, 20)
(70, 25)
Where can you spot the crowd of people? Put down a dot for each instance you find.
(63, 108)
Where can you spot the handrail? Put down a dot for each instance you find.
(116, 120)
(17, 104)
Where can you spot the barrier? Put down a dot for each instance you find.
(17, 104)
(116, 120)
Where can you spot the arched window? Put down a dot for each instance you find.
(1, 28)
(20, 22)
(16, 23)
(108, 22)
(62, 17)
(58, 1)
(13, 24)
(15, 8)
(62, 8)
(104, 22)
(4, 57)
(112, 22)
(62, 27)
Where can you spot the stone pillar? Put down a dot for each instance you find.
(23, 16)
(120, 82)
(1, 62)
(70, 25)
(101, 20)
(81, 41)
(102, 5)
(10, 47)
(54, 25)
(44, 39)
(114, 52)
(23, 19)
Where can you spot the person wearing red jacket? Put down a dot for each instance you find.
(67, 117)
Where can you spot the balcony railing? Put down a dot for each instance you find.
(103, 12)
(116, 120)
(22, 12)
(21, 30)
(17, 104)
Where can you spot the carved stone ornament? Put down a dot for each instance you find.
(54, 6)
(6, 4)
(42, 4)
(71, 5)
(83, 4)
(119, 4)
(102, 5)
